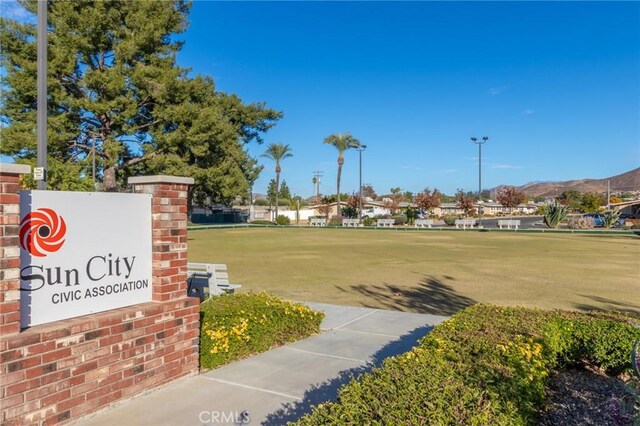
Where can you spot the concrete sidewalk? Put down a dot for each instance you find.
(284, 383)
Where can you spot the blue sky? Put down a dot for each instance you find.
(555, 87)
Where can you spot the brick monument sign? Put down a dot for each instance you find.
(54, 371)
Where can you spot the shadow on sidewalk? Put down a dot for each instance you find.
(431, 296)
(328, 390)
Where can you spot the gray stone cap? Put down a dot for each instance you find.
(18, 169)
(147, 180)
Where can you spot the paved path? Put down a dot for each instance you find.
(282, 384)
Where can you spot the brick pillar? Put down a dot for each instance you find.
(169, 230)
(9, 249)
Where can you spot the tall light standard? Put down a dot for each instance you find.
(41, 120)
(360, 148)
(480, 143)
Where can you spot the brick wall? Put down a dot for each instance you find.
(61, 371)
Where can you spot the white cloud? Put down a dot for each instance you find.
(493, 91)
(450, 171)
(527, 112)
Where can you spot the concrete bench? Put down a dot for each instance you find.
(208, 278)
(508, 223)
(424, 223)
(350, 223)
(385, 223)
(465, 223)
(318, 221)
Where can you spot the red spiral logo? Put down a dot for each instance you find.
(41, 232)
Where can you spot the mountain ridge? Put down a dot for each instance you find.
(628, 181)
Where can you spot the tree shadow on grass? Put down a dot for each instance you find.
(328, 390)
(431, 296)
(605, 304)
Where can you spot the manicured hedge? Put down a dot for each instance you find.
(262, 222)
(237, 325)
(487, 365)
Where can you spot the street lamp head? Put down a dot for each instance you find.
(474, 140)
(485, 138)
(361, 147)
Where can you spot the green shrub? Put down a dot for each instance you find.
(238, 325)
(486, 365)
(262, 202)
(450, 219)
(400, 219)
(367, 221)
(262, 222)
(411, 214)
(335, 221)
(349, 212)
(283, 220)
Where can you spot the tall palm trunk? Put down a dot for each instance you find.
(278, 169)
(340, 163)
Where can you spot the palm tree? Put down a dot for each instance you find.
(342, 142)
(277, 152)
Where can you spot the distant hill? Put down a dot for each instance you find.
(629, 181)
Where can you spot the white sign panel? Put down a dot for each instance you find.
(82, 252)
(38, 173)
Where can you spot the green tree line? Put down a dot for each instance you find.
(116, 94)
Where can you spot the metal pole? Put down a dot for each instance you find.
(93, 163)
(479, 143)
(360, 186)
(479, 185)
(360, 149)
(42, 92)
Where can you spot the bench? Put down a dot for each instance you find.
(424, 223)
(318, 221)
(464, 223)
(208, 278)
(385, 223)
(350, 223)
(508, 223)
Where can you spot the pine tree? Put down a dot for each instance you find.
(285, 193)
(271, 191)
(116, 92)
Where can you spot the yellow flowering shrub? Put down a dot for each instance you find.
(237, 325)
(487, 365)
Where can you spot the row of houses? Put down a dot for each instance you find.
(377, 208)
(371, 208)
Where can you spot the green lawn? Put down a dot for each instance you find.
(436, 272)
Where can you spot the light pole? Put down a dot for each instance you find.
(41, 120)
(480, 143)
(360, 148)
